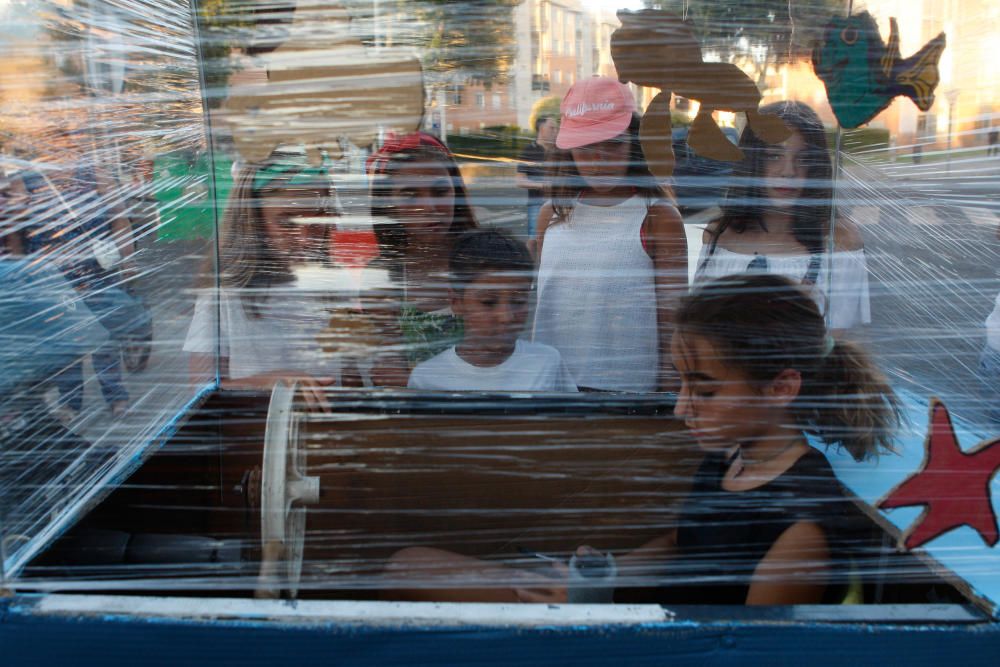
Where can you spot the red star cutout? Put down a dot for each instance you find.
(954, 486)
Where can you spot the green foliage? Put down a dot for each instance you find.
(782, 31)
(861, 140)
(222, 25)
(499, 141)
(679, 118)
(474, 37)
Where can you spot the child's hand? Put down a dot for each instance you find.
(548, 587)
(313, 391)
(554, 592)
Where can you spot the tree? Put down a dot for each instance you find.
(471, 38)
(223, 26)
(760, 32)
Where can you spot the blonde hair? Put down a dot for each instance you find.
(247, 259)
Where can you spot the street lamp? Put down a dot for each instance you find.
(952, 96)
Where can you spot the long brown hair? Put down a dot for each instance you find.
(417, 148)
(567, 184)
(763, 324)
(747, 199)
(248, 261)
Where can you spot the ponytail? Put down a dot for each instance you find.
(763, 324)
(847, 402)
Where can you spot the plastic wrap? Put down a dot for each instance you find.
(501, 301)
(98, 98)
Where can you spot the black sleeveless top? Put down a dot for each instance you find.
(723, 535)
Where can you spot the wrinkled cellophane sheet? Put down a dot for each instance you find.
(201, 201)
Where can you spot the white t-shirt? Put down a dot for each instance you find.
(283, 338)
(532, 367)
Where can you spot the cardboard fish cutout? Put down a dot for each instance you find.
(863, 74)
(952, 485)
(657, 49)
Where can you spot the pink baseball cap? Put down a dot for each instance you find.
(594, 109)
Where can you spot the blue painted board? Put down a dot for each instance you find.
(28, 638)
(961, 551)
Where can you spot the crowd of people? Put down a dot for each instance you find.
(595, 299)
(608, 251)
(73, 220)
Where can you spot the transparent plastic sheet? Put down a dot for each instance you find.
(377, 432)
(98, 100)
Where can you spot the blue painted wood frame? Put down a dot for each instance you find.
(30, 638)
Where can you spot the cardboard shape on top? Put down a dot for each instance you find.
(863, 74)
(656, 49)
(322, 85)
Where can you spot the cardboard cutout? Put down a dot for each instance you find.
(321, 85)
(863, 74)
(952, 485)
(657, 49)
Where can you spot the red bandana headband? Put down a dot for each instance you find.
(376, 163)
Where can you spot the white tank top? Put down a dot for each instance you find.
(597, 297)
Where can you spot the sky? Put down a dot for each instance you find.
(611, 5)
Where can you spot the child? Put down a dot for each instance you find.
(776, 219)
(766, 521)
(532, 169)
(491, 276)
(762, 383)
(420, 206)
(613, 255)
(268, 330)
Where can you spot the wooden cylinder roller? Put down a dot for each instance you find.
(486, 476)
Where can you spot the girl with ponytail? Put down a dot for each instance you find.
(762, 385)
(766, 331)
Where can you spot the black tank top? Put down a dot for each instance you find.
(722, 535)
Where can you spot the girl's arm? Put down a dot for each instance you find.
(312, 389)
(666, 245)
(202, 366)
(541, 224)
(794, 570)
(391, 367)
(847, 236)
(652, 559)
(522, 180)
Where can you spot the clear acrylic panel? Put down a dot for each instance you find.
(557, 302)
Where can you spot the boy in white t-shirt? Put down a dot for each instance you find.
(491, 276)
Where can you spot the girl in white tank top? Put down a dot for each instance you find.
(613, 255)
